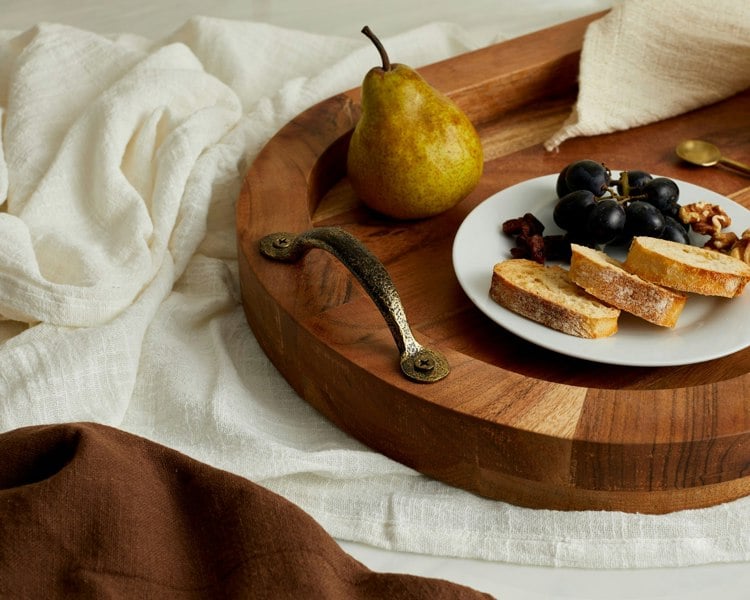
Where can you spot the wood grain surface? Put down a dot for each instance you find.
(512, 421)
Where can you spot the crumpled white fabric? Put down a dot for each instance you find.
(649, 60)
(121, 162)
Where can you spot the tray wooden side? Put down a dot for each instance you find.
(512, 421)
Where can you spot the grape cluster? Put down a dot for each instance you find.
(596, 210)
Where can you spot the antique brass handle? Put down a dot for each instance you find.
(417, 362)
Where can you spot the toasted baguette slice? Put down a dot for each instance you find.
(687, 268)
(603, 276)
(545, 294)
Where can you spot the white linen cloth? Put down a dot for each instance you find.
(121, 162)
(646, 61)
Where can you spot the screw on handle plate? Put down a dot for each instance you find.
(417, 362)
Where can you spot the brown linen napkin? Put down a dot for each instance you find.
(88, 511)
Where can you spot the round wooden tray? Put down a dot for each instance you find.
(511, 421)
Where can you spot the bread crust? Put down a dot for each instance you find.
(687, 268)
(604, 277)
(546, 295)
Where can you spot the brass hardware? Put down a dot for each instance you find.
(417, 362)
(705, 154)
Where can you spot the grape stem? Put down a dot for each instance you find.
(621, 199)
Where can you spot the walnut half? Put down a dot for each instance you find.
(705, 218)
(723, 241)
(741, 248)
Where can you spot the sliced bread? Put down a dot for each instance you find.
(546, 295)
(603, 276)
(687, 268)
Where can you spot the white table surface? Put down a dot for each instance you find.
(488, 19)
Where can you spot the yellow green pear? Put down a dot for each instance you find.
(413, 153)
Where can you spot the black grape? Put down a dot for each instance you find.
(561, 188)
(674, 230)
(587, 175)
(662, 193)
(636, 180)
(572, 211)
(672, 210)
(606, 221)
(643, 219)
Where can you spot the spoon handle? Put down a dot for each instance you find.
(735, 165)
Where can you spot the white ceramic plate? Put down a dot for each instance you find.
(708, 327)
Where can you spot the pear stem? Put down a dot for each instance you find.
(379, 46)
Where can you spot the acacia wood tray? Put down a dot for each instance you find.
(511, 421)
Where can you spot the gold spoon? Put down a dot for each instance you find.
(706, 154)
